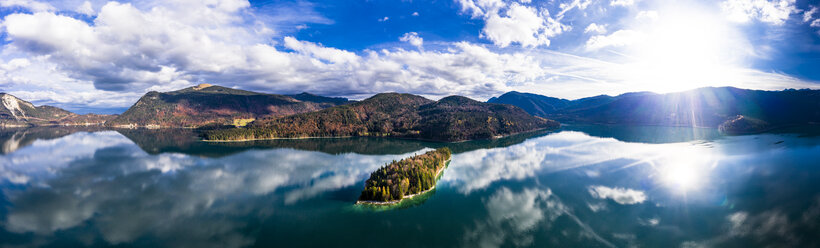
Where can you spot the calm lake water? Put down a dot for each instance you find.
(582, 186)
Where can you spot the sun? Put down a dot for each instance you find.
(686, 47)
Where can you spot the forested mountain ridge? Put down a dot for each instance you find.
(731, 109)
(209, 104)
(534, 104)
(15, 112)
(452, 118)
(462, 118)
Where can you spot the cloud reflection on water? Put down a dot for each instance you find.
(562, 151)
(512, 217)
(516, 217)
(102, 184)
(104, 179)
(620, 195)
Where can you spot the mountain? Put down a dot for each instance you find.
(453, 118)
(15, 112)
(731, 109)
(534, 104)
(209, 104)
(307, 97)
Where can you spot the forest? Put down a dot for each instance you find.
(452, 118)
(406, 177)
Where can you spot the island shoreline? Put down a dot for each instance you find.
(408, 197)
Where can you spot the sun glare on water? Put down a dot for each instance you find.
(685, 168)
(681, 177)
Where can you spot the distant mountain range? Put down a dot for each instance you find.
(453, 118)
(731, 109)
(209, 104)
(15, 112)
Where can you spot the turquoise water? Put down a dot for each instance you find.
(583, 186)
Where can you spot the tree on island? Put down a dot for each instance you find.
(408, 176)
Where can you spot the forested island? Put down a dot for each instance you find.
(410, 176)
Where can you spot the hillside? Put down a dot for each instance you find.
(15, 112)
(208, 104)
(534, 104)
(452, 118)
(735, 110)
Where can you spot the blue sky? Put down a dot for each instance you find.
(101, 56)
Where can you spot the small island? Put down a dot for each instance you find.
(743, 125)
(404, 179)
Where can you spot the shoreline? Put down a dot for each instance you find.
(296, 138)
(389, 137)
(407, 197)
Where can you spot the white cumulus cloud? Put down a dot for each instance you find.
(34, 6)
(510, 23)
(807, 15)
(595, 28)
(622, 2)
(86, 8)
(769, 11)
(412, 38)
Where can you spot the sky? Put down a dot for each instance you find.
(101, 56)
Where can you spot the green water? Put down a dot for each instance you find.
(583, 186)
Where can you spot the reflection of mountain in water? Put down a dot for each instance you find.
(647, 134)
(16, 138)
(187, 141)
(156, 141)
(472, 145)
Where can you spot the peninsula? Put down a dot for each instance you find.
(453, 118)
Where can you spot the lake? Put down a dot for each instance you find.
(581, 186)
